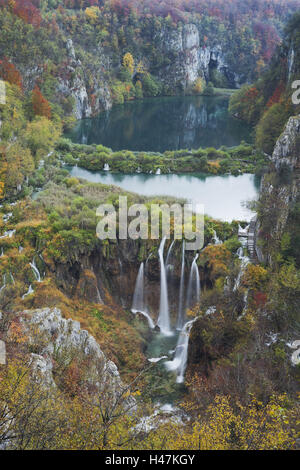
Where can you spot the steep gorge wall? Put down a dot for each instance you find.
(188, 60)
(191, 59)
(280, 190)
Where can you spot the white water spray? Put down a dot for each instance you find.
(36, 271)
(194, 287)
(138, 304)
(29, 292)
(244, 263)
(164, 316)
(178, 364)
(181, 310)
(216, 239)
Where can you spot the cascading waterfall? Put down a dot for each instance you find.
(106, 167)
(4, 283)
(36, 271)
(244, 263)
(138, 304)
(164, 315)
(181, 310)
(178, 364)
(245, 309)
(168, 265)
(194, 287)
(216, 239)
(8, 234)
(29, 292)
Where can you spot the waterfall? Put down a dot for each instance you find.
(158, 171)
(138, 298)
(168, 265)
(216, 239)
(245, 309)
(4, 283)
(164, 317)
(178, 364)
(29, 292)
(106, 167)
(12, 278)
(181, 311)
(9, 234)
(194, 287)
(7, 216)
(100, 301)
(36, 271)
(138, 304)
(244, 263)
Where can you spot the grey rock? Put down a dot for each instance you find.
(2, 353)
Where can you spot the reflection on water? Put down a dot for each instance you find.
(222, 196)
(160, 124)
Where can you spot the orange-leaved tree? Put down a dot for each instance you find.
(41, 106)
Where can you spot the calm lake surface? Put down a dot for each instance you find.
(159, 124)
(222, 196)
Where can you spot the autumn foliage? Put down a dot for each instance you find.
(275, 98)
(41, 106)
(27, 10)
(9, 73)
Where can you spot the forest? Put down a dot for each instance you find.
(82, 365)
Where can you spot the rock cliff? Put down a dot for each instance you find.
(54, 338)
(191, 59)
(280, 189)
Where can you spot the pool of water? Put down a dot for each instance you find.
(224, 196)
(159, 124)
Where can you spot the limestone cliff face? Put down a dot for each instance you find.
(50, 335)
(185, 58)
(280, 188)
(74, 82)
(286, 151)
(190, 59)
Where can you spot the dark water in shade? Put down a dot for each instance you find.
(223, 196)
(159, 124)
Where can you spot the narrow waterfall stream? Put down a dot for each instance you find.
(193, 292)
(178, 364)
(163, 321)
(181, 311)
(36, 271)
(244, 263)
(138, 304)
(168, 259)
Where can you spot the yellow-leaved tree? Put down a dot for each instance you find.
(128, 62)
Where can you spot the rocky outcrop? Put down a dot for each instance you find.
(280, 188)
(286, 151)
(51, 337)
(189, 59)
(2, 353)
(73, 82)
